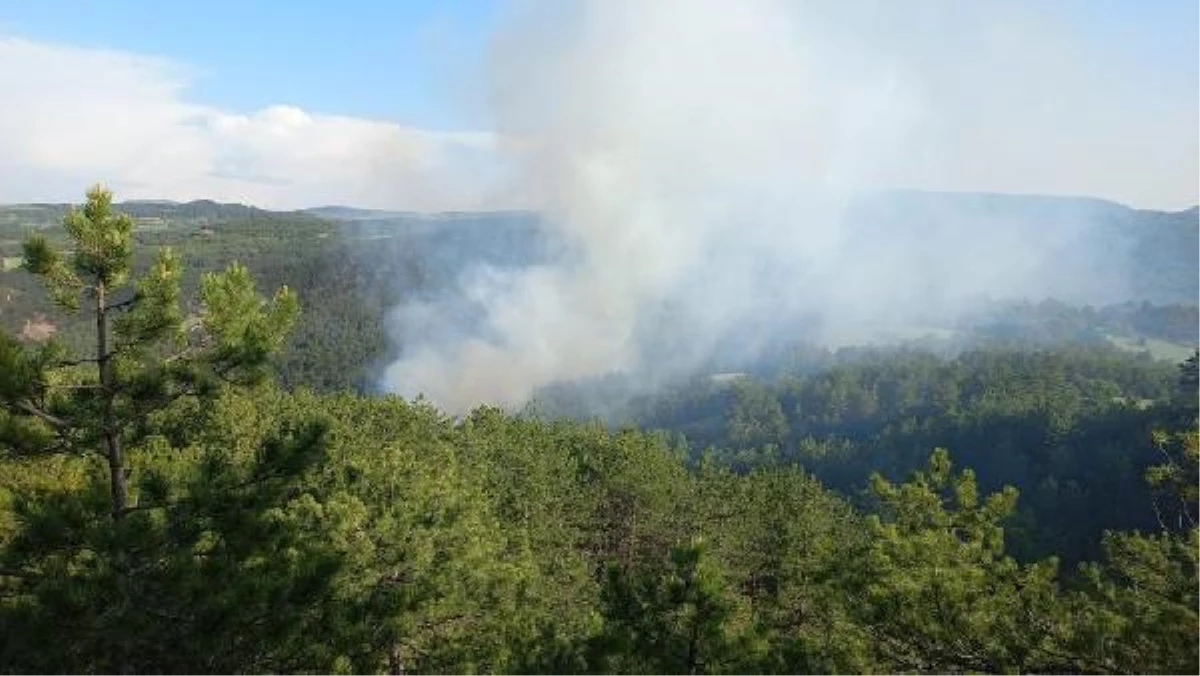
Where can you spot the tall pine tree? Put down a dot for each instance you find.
(145, 351)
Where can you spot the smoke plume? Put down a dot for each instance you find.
(711, 173)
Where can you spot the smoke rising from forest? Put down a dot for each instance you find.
(712, 173)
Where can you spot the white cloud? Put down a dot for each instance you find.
(989, 98)
(74, 116)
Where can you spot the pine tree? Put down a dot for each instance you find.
(676, 618)
(180, 554)
(936, 592)
(146, 353)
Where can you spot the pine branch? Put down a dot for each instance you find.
(38, 413)
(61, 363)
(80, 386)
(123, 305)
(165, 505)
(182, 354)
(62, 445)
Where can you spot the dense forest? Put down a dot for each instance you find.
(195, 477)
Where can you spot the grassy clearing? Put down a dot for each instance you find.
(1158, 349)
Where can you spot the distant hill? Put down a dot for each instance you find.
(352, 267)
(1089, 250)
(196, 212)
(342, 213)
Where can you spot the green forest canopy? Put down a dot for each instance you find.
(269, 528)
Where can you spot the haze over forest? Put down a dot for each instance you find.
(694, 164)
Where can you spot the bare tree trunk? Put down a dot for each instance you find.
(112, 438)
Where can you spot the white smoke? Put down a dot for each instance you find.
(697, 158)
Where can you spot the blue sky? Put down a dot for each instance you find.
(406, 60)
(415, 60)
(396, 103)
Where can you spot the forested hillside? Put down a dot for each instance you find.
(352, 267)
(195, 477)
(1068, 426)
(348, 274)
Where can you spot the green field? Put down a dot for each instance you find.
(1159, 349)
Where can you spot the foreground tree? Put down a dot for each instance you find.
(936, 591)
(778, 537)
(172, 553)
(146, 353)
(674, 618)
(1137, 610)
(226, 566)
